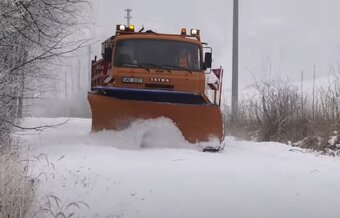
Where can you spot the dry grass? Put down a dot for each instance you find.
(16, 188)
(278, 112)
(17, 191)
(54, 208)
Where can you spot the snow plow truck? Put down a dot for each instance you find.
(147, 75)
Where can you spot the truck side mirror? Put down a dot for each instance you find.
(107, 54)
(207, 60)
(107, 50)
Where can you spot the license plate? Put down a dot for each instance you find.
(132, 80)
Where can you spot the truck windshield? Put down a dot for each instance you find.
(165, 54)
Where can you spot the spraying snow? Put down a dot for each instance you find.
(153, 133)
(117, 178)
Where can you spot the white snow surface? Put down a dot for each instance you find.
(170, 178)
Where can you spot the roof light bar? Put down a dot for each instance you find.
(122, 27)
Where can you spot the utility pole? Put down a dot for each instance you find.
(89, 69)
(128, 16)
(302, 106)
(72, 82)
(314, 72)
(65, 83)
(78, 84)
(234, 98)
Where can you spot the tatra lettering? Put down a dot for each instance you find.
(163, 80)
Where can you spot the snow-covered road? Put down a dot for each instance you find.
(116, 178)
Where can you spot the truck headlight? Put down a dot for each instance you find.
(121, 27)
(195, 32)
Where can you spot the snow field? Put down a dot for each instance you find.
(172, 178)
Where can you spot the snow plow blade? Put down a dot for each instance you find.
(197, 120)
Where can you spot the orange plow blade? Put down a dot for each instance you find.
(198, 123)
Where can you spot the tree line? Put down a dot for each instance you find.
(33, 33)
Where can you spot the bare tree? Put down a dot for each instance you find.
(32, 34)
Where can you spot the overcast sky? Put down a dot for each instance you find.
(278, 38)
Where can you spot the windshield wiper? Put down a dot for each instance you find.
(155, 66)
(177, 67)
(148, 65)
(137, 65)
